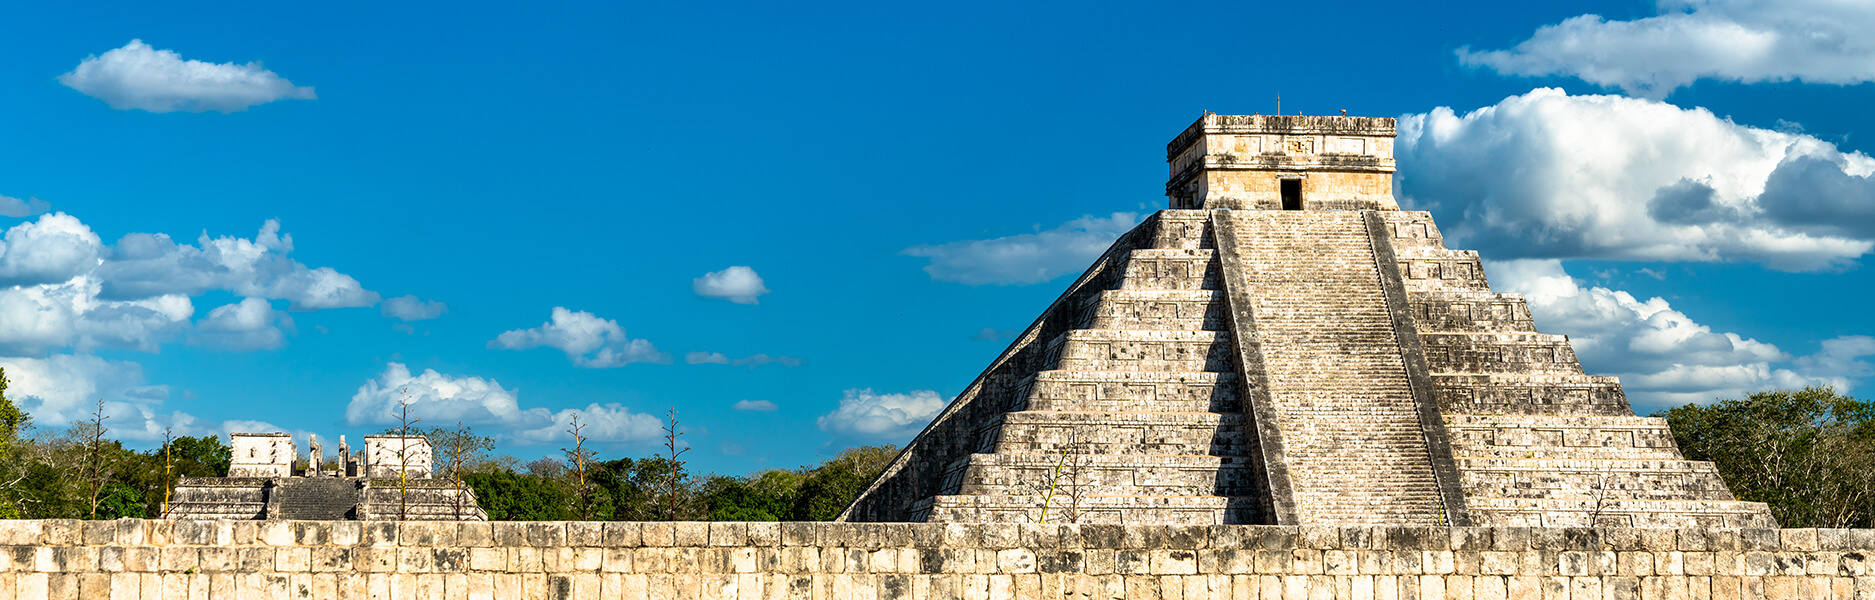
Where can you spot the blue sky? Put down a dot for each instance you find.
(805, 227)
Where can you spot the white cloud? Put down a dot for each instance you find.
(441, 399)
(1662, 356)
(1817, 41)
(412, 308)
(587, 340)
(63, 389)
(55, 248)
(41, 318)
(601, 423)
(17, 208)
(736, 284)
(756, 405)
(718, 358)
(143, 265)
(141, 77)
(1548, 175)
(863, 412)
(251, 324)
(1026, 258)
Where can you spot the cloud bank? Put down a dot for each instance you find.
(1816, 41)
(1549, 175)
(1662, 356)
(1026, 258)
(587, 340)
(894, 416)
(138, 76)
(441, 399)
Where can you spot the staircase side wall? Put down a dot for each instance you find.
(903, 491)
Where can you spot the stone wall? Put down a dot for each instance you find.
(840, 561)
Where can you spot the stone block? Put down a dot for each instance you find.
(347, 533)
(728, 534)
(475, 534)
(546, 534)
(619, 534)
(585, 534)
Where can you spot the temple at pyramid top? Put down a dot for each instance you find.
(1285, 346)
(1297, 162)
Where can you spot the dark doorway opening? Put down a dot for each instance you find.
(1292, 194)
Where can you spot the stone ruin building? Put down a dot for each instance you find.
(391, 478)
(1286, 346)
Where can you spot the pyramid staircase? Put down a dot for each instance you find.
(1132, 415)
(1536, 441)
(1286, 346)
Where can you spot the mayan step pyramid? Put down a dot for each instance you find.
(1285, 346)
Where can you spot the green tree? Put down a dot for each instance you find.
(829, 488)
(1809, 454)
(13, 423)
(509, 496)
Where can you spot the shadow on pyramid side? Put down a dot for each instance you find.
(1285, 346)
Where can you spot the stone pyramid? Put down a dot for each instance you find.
(1285, 346)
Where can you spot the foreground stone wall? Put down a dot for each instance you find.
(839, 561)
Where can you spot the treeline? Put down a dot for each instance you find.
(1809, 453)
(79, 472)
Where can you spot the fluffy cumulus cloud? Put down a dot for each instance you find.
(1026, 258)
(251, 324)
(141, 77)
(54, 248)
(42, 318)
(1662, 356)
(718, 358)
(60, 287)
(412, 308)
(736, 284)
(865, 413)
(63, 389)
(755, 405)
(1549, 175)
(1817, 41)
(150, 264)
(587, 340)
(439, 398)
(18, 208)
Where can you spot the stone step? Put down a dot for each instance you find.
(1530, 394)
(1337, 380)
(1561, 437)
(1119, 433)
(1129, 475)
(1164, 310)
(1170, 269)
(1412, 229)
(1589, 512)
(1183, 229)
(316, 498)
(1519, 353)
(1471, 311)
(1633, 479)
(1128, 391)
(1426, 269)
(1116, 510)
(1129, 350)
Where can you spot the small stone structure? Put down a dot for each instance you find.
(132, 558)
(390, 479)
(1285, 346)
(261, 454)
